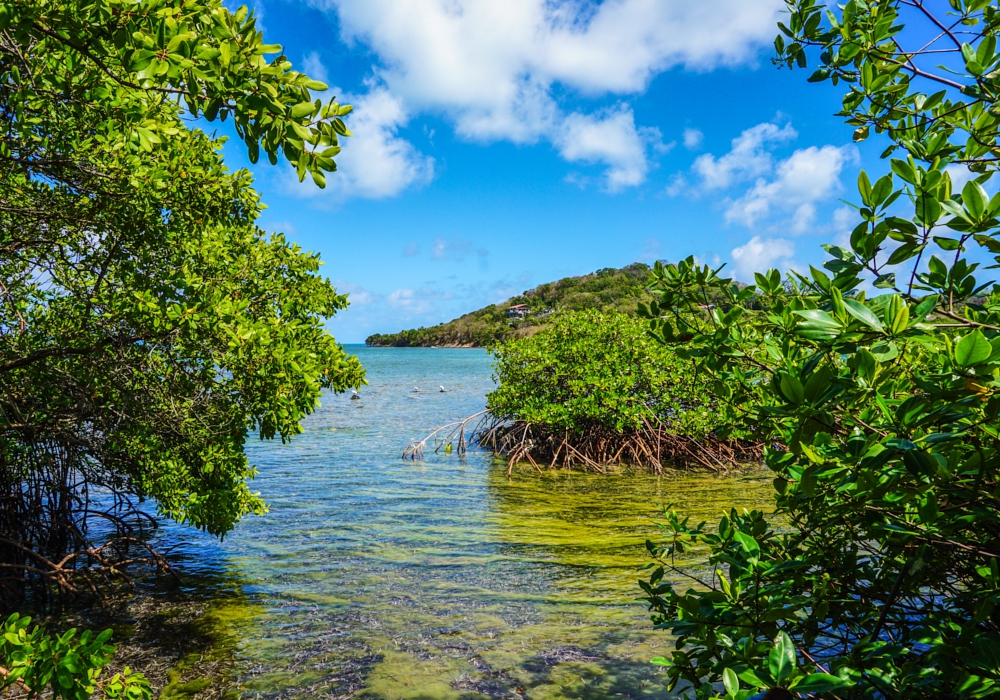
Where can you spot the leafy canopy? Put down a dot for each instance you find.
(589, 369)
(140, 60)
(68, 666)
(146, 322)
(878, 573)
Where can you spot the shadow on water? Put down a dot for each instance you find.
(184, 634)
(373, 577)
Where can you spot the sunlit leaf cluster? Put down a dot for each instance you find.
(881, 401)
(146, 323)
(66, 666)
(589, 369)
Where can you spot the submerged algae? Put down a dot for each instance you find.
(444, 579)
(528, 589)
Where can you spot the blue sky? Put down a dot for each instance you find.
(502, 145)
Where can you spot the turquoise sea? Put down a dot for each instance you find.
(377, 577)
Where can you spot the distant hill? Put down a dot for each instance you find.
(609, 289)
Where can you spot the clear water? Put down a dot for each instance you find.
(442, 578)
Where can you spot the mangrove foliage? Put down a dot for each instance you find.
(146, 322)
(594, 389)
(877, 576)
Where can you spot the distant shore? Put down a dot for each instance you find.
(445, 345)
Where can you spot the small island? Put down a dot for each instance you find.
(608, 289)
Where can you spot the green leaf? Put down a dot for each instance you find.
(972, 349)
(792, 389)
(924, 308)
(748, 543)
(731, 681)
(302, 109)
(904, 253)
(863, 314)
(751, 678)
(974, 198)
(947, 243)
(885, 351)
(818, 325)
(820, 683)
(904, 170)
(865, 186)
(781, 660)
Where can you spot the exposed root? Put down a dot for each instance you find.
(452, 436)
(596, 447)
(61, 535)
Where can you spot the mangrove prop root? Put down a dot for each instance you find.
(595, 447)
(63, 533)
(453, 436)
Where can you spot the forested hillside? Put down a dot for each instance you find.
(608, 289)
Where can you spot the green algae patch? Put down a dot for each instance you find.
(404, 675)
(179, 689)
(186, 643)
(450, 581)
(213, 636)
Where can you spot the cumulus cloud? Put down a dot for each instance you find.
(678, 185)
(759, 254)
(788, 191)
(416, 301)
(494, 68)
(808, 176)
(456, 249)
(692, 138)
(613, 139)
(749, 156)
(376, 162)
(483, 59)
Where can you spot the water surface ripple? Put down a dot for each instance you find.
(382, 578)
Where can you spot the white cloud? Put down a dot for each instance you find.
(748, 157)
(411, 250)
(482, 58)
(610, 138)
(416, 301)
(759, 254)
(357, 295)
(312, 65)
(808, 176)
(282, 226)
(678, 185)
(493, 68)
(457, 249)
(844, 221)
(376, 162)
(692, 138)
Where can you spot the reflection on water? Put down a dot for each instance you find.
(443, 578)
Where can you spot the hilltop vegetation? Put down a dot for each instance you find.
(608, 289)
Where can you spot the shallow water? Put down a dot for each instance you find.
(442, 578)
